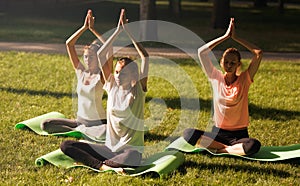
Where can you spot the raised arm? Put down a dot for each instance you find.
(109, 55)
(203, 52)
(91, 24)
(142, 53)
(257, 53)
(105, 50)
(70, 43)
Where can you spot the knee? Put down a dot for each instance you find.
(252, 146)
(192, 135)
(134, 158)
(45, 124)
(65, 146)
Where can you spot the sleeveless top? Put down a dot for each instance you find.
(125, 117)
(230, 102)
(89, 98)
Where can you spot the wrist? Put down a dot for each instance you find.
(92, 29)
(84, 28)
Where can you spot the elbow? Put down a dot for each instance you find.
(203, 50)
(146, 55)
(258, 53)
(68, 43)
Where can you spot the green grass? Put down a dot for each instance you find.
(48, 23)
(33, 84)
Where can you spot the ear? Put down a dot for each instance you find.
(222, 63)
(239, 69)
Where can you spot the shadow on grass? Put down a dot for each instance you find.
(256, 112)
(234, 168)
(36, 92)
(157, 137)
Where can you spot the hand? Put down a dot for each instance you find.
(233, 35)
(124, 21)
(91, 20)
(230, 28)
(87, 19)
(121, 19)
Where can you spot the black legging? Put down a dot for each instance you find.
(94, 155)
(250, 145)
(56, 125)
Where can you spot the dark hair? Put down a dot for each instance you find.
(232, 51)
(126, 60)
(132, 66)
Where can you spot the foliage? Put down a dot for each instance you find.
(42, 22)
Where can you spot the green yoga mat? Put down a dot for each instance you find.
(159, 164)
(34, 125)
(266, 153)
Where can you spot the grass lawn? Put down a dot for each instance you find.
(48, 23)
(33, 84)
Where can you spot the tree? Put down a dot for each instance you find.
(175, 8)
(260, 3)
(220, 13)
(281, 6)
(148, 12)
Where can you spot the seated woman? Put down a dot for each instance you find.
(91, 116)
(230, 99)
(125, 112)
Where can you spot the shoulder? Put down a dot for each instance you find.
(109, 83)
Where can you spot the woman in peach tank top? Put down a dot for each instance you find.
(230, 99)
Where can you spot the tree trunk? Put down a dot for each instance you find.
(260, 3)
(175, 9)
(148, 12)
(221, 13)
(281, 6)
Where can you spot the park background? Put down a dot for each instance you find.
(36, 83)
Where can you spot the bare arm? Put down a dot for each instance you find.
(205, 49)
(92, 27)
(257, 53)
(106, 50)
(70, 43)
(109, 55)
(142, 53)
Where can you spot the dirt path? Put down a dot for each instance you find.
(161, 52)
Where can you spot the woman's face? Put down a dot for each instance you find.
(123, 74)
(230, 63)
(90, 59)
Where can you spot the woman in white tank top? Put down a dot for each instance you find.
(126, 89)
(91, 116)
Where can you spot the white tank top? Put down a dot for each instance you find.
(125, 117)
(90, 98)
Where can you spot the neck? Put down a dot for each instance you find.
(230, 78)
(93, 71)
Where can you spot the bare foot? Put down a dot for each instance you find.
(117, 170)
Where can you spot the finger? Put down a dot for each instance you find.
(122, 11)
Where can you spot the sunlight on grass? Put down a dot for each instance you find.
(33, 84)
